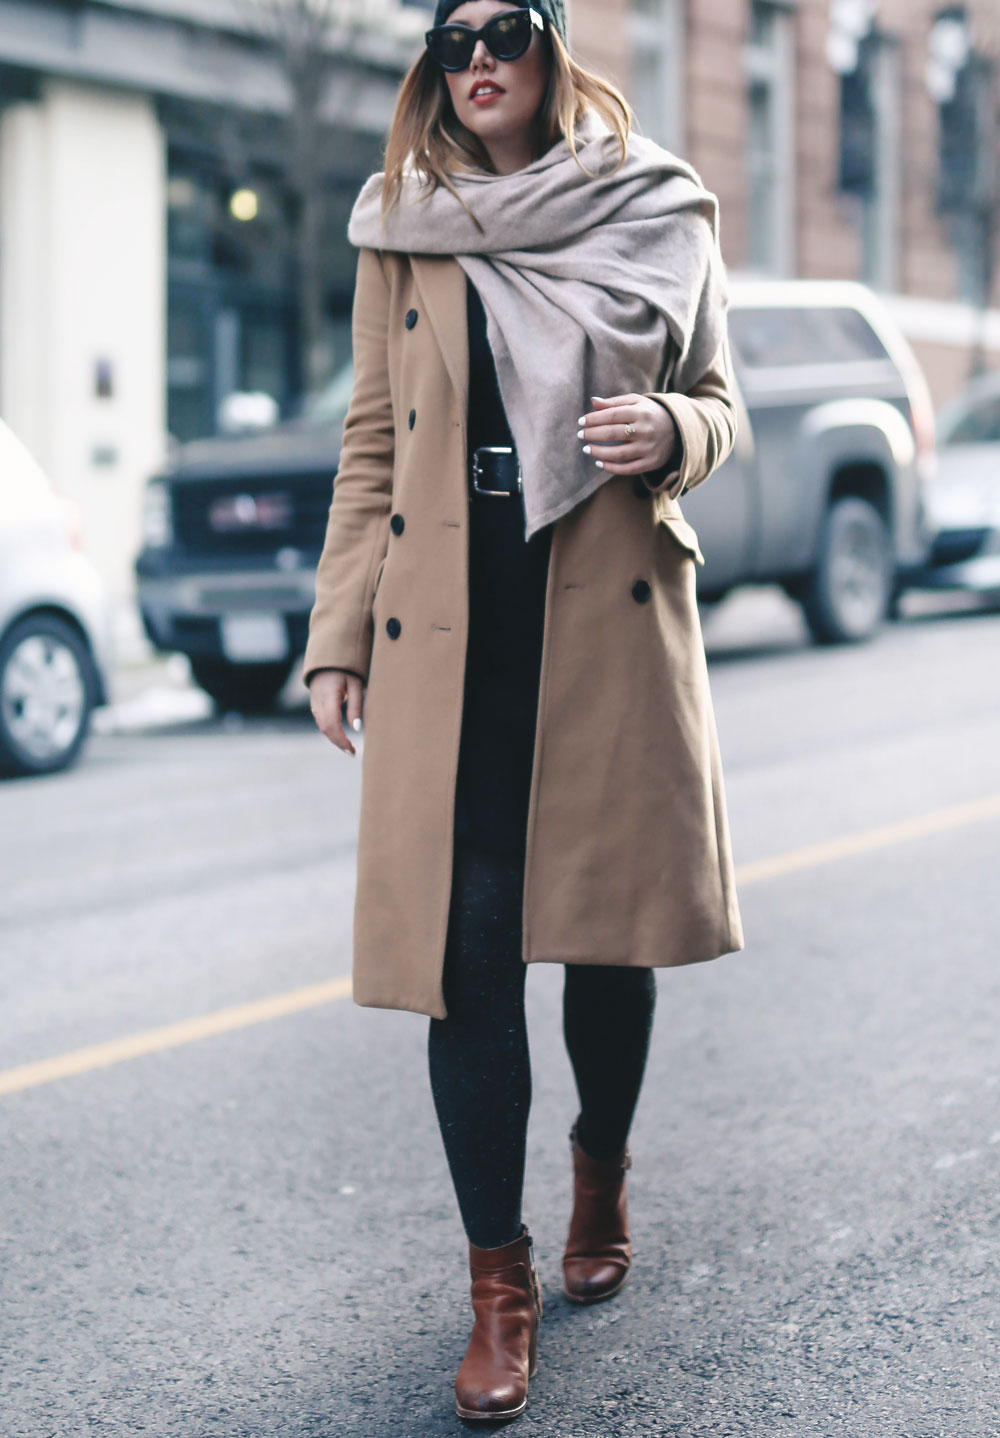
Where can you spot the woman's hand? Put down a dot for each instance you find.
(327, 690)
(652, 443)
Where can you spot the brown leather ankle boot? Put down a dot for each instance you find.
(492, 1383)
(598, 1249)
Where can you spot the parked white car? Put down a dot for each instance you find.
(964, 499)
(55, 630)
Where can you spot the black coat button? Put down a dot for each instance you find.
(413, 418)
(396, 523)
(641, 591)
(393, 628)
(411, 319)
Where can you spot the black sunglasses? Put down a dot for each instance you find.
(507, 37)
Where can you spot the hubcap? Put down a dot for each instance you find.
(857, 578)
(43, 696)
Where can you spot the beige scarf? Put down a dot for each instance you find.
(590, 287)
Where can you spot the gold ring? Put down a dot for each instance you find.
(630, 430)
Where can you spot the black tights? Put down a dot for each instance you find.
(479, 1067)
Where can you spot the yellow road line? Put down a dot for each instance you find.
(171, 1036)
(816, 854)
(243, 1016)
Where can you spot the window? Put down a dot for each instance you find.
(871, 87)
(789, 338)
(881, 211)
(971, 236)
(967, 185)
(657, 32)
(231, 321)
(770, 152)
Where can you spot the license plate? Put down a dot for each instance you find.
(253, 638)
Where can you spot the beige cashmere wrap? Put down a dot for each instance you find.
(590, 287)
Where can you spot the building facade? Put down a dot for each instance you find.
(832, 131)
(147, 255)
(147, 261)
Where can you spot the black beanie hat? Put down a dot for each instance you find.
(553, 10)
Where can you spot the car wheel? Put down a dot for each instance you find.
(247, 688)
(47, 695)
(846, 597)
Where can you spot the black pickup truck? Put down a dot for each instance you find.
(233, 531)
(824, 494)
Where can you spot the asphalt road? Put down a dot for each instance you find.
(253, 1233)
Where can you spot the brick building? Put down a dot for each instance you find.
(752, 92)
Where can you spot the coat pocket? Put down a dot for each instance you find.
(669, 515)
(378, 578)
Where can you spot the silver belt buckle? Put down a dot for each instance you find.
(477, 471)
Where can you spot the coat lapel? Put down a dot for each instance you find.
(440, 282)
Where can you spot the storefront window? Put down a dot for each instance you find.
(232, 305)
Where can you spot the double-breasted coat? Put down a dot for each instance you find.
(628, 850)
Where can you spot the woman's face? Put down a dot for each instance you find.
(498, 100)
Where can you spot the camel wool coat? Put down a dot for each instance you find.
(628, 848)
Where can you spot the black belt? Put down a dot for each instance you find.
(496, 472)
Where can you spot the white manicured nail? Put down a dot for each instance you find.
(580, 433)
(582, 419)
(599, 464)
(355, 723)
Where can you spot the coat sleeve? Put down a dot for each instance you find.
(357, 531)
(706, 422)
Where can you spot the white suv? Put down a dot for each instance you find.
(55, 638)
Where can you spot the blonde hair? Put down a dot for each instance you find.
(427, 133)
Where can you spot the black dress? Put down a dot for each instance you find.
(507, 581)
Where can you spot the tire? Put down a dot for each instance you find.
(846, 598)
(47, 695)
(245, 688)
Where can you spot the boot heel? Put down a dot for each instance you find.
(533, 1356)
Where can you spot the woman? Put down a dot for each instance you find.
(512, 586)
